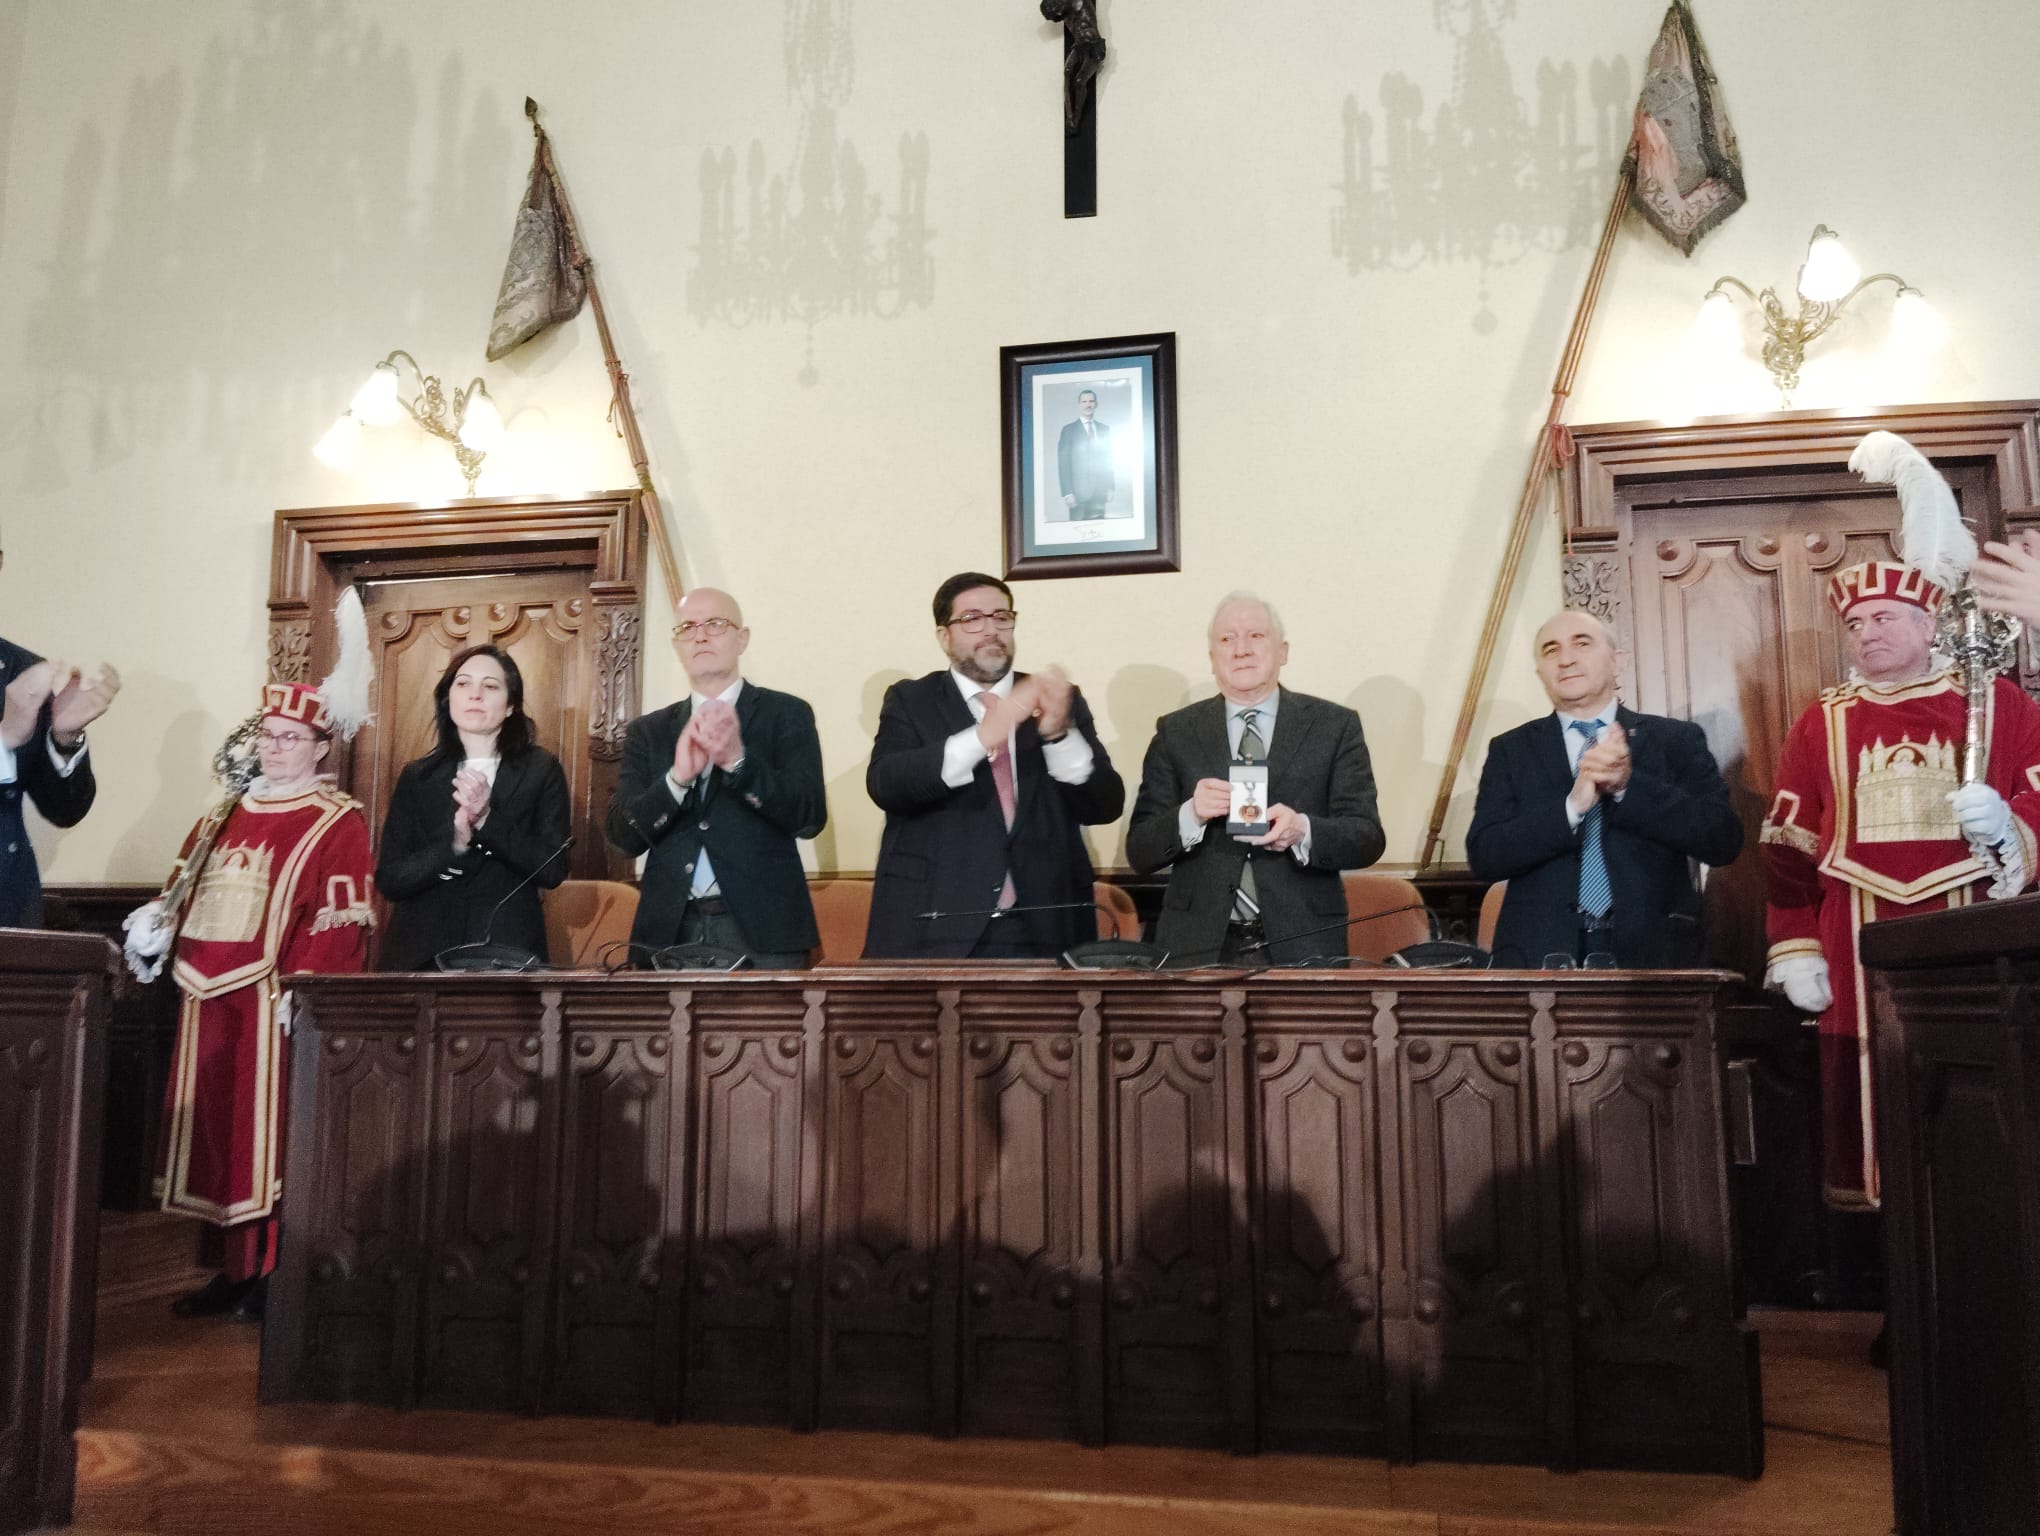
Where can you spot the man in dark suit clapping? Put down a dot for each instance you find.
(986, 777)
(44, 710)
(1278, 896)
(716, 790)
(1591, 813)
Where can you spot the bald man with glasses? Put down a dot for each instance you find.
(716, 792)
(987, 777)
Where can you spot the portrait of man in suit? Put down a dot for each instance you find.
(987, 777)
(1592, 812)
(1277, 896)
(717, 790)
(1083, 461)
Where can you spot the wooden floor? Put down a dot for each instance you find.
(171, 1441)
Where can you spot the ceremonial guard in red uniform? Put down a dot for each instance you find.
(275, 880)
(1871, 819)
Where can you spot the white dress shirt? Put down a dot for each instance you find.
(1069, 761)
(704, 872)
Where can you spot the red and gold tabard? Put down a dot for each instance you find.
(286, 888)
(1860, 828)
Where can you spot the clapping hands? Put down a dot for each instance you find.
(75, 701)
(470, 806)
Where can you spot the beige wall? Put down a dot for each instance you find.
(213, 218)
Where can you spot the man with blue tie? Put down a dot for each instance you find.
(1591, 814)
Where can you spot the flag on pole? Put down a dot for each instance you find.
(543, 281)
(1688, 166)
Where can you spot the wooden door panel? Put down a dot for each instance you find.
(416, 628)
(555, 581)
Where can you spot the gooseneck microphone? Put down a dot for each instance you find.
(1045, 906)
(1206, 958)
(485, 954)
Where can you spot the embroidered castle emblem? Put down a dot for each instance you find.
(1902, 792)
(227, 907)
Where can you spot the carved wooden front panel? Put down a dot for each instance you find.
(1171, 1224)
(1647, 1289)
(365, 1238)
(621, 1253)
(1317, 1170)
(1031, 1278)
(1310, 1211)
(746, 1337)
(490, 1201)
(883, 1223)
(32, 1018)
(1472, 1227)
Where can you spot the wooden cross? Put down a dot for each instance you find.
(1083, 55)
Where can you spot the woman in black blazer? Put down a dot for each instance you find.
(469, 820)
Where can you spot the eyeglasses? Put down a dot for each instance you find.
(688, 628)
(973, 623)
(283, 738)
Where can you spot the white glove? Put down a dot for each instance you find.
(1804, 981)
(148, 940)
(1982, 813)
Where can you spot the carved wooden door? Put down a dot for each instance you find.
(415, 628)
(1732, 629)
(552, 581)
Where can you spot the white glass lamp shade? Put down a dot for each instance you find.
(1717, 327)
(375, 404)
(1916, 324)
(337, 449)
(1830, 271)
(481, 424)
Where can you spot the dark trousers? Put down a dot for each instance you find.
(709, 922)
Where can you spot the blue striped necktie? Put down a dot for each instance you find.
(1596, 897)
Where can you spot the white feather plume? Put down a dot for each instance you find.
(345, 689)
(1932, 537)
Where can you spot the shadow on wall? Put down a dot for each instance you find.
(1391, 715)
(1492, 176)
(847, 787)
(813, 241)
(148, 844)
(1135, 698)
(245, 215)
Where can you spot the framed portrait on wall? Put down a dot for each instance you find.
(1088, 438)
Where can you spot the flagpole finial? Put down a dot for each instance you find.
(531, 110)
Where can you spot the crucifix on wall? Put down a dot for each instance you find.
(1083, 55)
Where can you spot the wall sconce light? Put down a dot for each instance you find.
(1828, 279)
(469, 422)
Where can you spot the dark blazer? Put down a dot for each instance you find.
(948, 850)
(1083, 462)
(63, 800)
(1317, 764)
(748, 820)
(439, 898)
(1676, 808)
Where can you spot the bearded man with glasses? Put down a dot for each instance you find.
(986, 777)
(715, 791)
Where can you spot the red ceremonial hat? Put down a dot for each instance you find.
(1886, 579)
(299, 702)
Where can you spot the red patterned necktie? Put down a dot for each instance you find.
(1002, 777)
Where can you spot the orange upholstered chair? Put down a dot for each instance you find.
(582, 917)
(1392, 930)
(1120, 901)
(842, 909)
(1491, 913)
